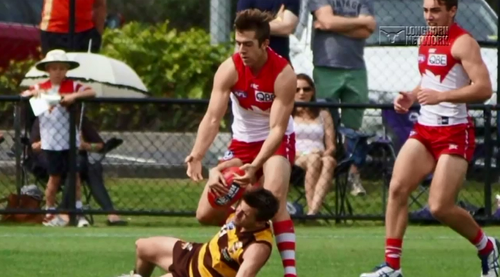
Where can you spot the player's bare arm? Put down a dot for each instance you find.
(284, 90)
(254, 258)
(360, 27)
(224, 79)
(467, 50)
(285, 23)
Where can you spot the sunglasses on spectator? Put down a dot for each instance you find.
(305, 89)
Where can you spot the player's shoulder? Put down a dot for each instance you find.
(465, 44)
(227, 71)
(286, 74)
(264, 235)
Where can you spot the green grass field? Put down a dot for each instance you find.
(321, 251)
(326, 250)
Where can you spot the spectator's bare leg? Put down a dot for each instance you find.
(51, 190)
(312, 176)
(323, 185)
(78, 191)
(313, 170)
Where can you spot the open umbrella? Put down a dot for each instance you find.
(107, 76)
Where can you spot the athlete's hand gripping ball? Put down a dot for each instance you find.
(248, 177)
(223, 190)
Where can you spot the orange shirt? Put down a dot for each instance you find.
(55, 16)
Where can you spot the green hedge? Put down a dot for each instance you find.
(171, 64)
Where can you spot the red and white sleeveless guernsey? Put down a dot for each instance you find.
(444, 128)
(252, 97)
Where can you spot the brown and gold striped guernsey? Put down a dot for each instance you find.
(223, 254)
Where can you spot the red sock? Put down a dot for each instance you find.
(483, 244)
(393, 249)
(285, 239)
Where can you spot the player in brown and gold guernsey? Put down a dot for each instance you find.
(240, 249)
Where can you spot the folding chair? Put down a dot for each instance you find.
(30, 166)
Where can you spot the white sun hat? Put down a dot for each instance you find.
(56, 56)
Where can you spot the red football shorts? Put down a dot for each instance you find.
(248, 151)
(457, 139)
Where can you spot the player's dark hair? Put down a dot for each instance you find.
(449, 3)
(313, 110)
(254, 20)
(263, 201)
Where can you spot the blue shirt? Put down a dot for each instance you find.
(279, 44)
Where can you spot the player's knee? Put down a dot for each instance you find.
(278, 190)
(439, 210)
(398, 189)
(141, 247)
(203, 217)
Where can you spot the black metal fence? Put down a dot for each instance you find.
(142, 168)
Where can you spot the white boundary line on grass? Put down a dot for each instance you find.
(207, 235)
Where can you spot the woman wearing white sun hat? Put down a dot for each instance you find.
(60, 92)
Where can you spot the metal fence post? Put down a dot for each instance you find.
(17, 145)
(71, 180)
(220, 21)
(487, 161)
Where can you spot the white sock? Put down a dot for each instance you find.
(79, 205)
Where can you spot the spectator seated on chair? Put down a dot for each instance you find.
(91, 174)
(315, 145)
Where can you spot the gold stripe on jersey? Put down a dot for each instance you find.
(222, 255)
(214, 257)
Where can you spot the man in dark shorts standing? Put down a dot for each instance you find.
(241, 247)
(287, 13)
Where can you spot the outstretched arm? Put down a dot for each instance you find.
(254, 258)
(225, 77)
(467, 50)
(284, 91)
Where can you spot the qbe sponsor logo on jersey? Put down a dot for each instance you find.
(437, 60)
(261, 96)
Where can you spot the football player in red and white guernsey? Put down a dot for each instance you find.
(442, 141)
(261, 85)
